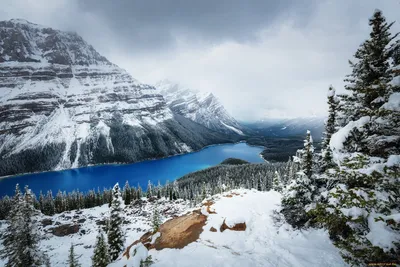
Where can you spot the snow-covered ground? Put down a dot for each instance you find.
(265, 242)
(137, 222)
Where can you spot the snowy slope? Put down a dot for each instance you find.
(203, 108)
(136, 218)
(264, 242)
(65, 105)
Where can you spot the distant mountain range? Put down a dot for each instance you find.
(201, 107)
(288, 127)
(63, 105)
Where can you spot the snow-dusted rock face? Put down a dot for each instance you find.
(203, 108)
(64, 105)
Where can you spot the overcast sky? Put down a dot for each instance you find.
(261, 58)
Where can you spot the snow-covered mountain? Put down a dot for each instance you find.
(203, 108)
(64, 105)
(289, 127)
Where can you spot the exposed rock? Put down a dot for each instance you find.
(180, 231)
(46, 222)
(236, 227)
(208, 205)
(212, 229)
(145, 239)
(65, 229)
(175, 233)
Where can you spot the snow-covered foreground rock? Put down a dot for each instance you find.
(262, 243)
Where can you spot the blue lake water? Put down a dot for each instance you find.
(105, 176)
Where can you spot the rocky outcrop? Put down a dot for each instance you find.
(236, 227)
(65, 229)
(63, 105)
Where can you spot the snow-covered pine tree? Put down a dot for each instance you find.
(307, 155)
(149, 192)
(327, 161)
(158, 190)
(21, 237)
(277, 183)
(364, 203)
(139, 192)
(127, 194)
(100, 257)
(300, 192)
(115, 234)
(10, 235)
(156, 220)
(370, 71)
(72, 258)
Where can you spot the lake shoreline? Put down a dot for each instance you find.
(127, 163)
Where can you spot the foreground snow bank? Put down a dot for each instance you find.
(261, 244)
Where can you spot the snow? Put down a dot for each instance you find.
(139, 223)
(201, 107)
(393, 160)
(138, 252)
(338, 138)
(353, 212)
(65, 108)
(331, 92)
(261, 244)
(232, 128)
(380, 234)
(393, 102)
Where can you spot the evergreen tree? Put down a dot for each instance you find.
(21, 238)
(307, 155)
(147, 262)
(127, 193)
(370, 127)
(301, 190)
(277, 183)
(139, 192)
(159, 187)
(100, 257)
(366, 83)
(327, 161)
(72, 259)
(115, 234)
(149, 192)
(156, 220)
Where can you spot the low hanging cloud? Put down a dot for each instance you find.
(261, 58)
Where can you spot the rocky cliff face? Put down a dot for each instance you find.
(64, 105)
(203, 108)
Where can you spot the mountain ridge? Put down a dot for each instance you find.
(201, 107)
(63, 105)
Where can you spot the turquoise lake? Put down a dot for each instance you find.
(105, 176)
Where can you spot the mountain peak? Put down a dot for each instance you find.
(201, 107)
(24, 41)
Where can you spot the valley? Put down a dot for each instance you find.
(219, 158)
(156, 171)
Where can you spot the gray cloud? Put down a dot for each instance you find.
(155, 24)
(261, 58)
